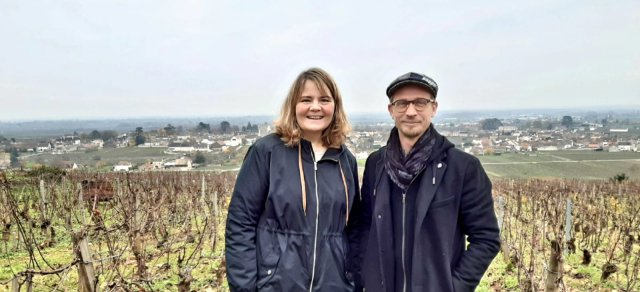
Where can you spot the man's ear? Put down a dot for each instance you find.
(435, 109)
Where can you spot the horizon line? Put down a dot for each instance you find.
(356, 113)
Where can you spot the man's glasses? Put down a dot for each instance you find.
(419, 104)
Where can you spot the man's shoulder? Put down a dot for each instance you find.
(459, 157)
(458, 153)
(376, 155)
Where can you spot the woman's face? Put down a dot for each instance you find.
(314, 111)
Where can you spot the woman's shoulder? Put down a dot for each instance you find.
(267, 143)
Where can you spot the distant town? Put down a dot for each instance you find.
(221, 146)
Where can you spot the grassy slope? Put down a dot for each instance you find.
(135, 155)
(563, 164)
(559, 164)
(107, 155)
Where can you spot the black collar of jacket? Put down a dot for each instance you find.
(332, 154)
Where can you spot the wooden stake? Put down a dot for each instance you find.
(87, 278)
(43, 201)
(15, 284)
(86, 274)
(567, 225)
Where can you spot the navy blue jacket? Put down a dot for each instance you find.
(269, 238)
(454, 200)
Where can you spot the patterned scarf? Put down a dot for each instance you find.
(403, 169)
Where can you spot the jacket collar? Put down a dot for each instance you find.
(331, 153)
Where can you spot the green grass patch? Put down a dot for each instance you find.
(563, 164)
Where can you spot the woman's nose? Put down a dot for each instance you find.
(315, 105)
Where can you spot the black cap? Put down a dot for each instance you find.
(418, 79)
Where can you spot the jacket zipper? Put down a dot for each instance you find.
(315, 238)
(404, 210)
(404, 272)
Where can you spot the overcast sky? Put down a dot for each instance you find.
(112, 59)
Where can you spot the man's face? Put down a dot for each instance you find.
(412, 122)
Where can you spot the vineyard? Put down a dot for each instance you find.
(567, 235)
(151, 231)
(162, 231)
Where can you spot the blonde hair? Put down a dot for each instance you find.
(287, 126)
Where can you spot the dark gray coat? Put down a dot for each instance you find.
(454, 200)
(269, 238)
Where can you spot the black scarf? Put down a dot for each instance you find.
(403, 169)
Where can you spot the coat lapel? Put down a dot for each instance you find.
(427, 191)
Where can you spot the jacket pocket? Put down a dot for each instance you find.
(347, 276)
(441, 203)
(460, 286)
(265, 274)
(268, 256)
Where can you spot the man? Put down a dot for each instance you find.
(424, 197)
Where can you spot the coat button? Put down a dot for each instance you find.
(349, 276)
(268, 272)
(379, 216)
(440, 165)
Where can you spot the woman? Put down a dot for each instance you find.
(288, 217)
